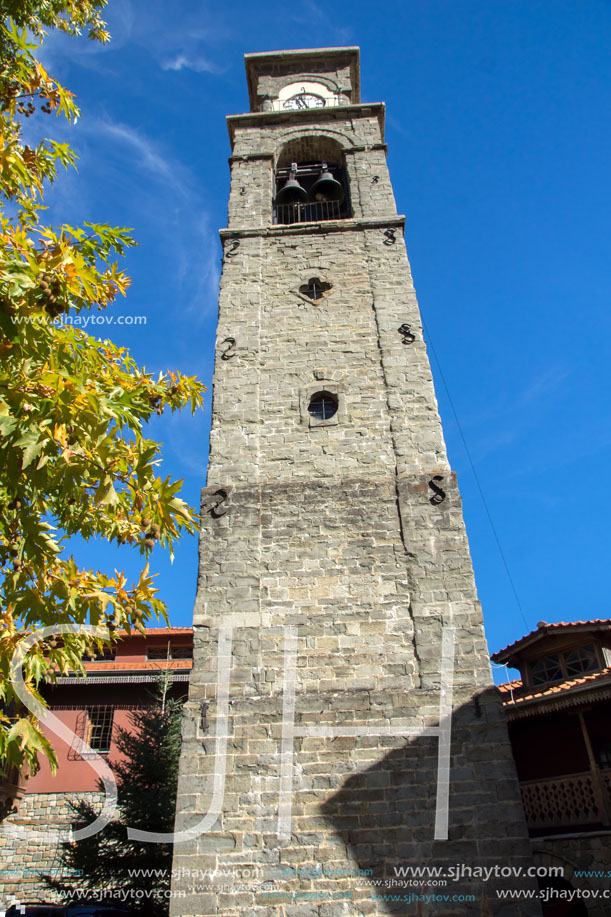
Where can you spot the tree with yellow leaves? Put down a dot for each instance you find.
(73, 455)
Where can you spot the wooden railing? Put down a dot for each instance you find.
(563, 802)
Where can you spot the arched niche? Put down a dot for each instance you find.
(304, 161)
(311, 148)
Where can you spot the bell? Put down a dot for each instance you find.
(292, 192)
(327, 188)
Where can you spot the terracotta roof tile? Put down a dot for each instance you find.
(157, 631)
(510, 686)
(514, 687)
(123, 664)
(596, 622)
(108, 665)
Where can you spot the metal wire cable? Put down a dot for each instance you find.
(477, 481)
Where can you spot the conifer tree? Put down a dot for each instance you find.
(109, 862)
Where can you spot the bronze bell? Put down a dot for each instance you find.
(292, 192)
(327, 188)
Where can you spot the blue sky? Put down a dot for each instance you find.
(499, 148)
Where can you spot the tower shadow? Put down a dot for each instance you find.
(386, 817)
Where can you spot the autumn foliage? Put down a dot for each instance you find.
(73, 456)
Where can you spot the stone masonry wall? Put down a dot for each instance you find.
(339, 545)
(23, 859)
(270, 84)
(280, 557)
(285, 344)
(257, 149)
(576, 855)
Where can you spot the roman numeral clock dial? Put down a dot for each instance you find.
(304, 99)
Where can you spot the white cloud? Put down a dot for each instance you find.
(545, 383)
(193, 245)
(198, 64)
(149, 156)
(198, 272)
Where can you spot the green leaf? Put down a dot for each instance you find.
(7, 425)
(31, 451)
(8, 326)
(73, 456)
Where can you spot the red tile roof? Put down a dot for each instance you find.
(135, 659)
(546, 628)
(157, 631)
(119, 665)
(512, 697)
(509, 686)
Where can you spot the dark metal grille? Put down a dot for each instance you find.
(323, 406)
(310, 212)
(100, 727)
(171, 652)
(182, 652)
(104, 655)
(315, 289)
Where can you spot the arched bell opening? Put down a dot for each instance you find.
(310, 182)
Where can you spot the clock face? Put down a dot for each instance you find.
(304, 100)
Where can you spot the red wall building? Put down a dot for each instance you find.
(94, 708)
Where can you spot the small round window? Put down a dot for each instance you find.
(323, 405)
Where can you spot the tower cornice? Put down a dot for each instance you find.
(317, 116)
(299, 229)
(269, 154)
(301, 59)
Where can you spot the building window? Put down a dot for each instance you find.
(107, 654)
(99, 727)
(547, 669)
(323, 403)
(570, 664)
(323, 406)
(583, 659)
(311, 181)
(604, 754)
(169, 652)
(158, 652)
(182, 652)
(315, 289)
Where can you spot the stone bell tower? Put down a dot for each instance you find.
(340, 722)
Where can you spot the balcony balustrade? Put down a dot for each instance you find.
(567, 802)
(313, 212)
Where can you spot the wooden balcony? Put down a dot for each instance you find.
(575, 801)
